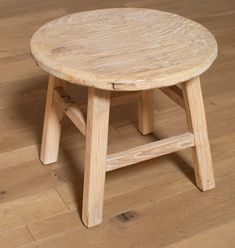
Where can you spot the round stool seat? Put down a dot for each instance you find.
(124, 49)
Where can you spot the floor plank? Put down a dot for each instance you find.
(31, 208)
(15, 237)
(210, 238)
(168, 221)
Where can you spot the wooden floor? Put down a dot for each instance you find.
(152, 204)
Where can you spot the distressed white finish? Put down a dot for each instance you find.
(124, 49)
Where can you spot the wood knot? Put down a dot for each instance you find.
(127, 216)
(58, 50)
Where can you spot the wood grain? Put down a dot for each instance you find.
(149, 151)
(30, 208)
(146, 111)
(15, 237)
(52, 124)
(95, 157)
(55, 224)
(169, 210)
(210, 238)
(196, 118)
(169, 217)
(143, 48)
(175, 94)
(70, 108)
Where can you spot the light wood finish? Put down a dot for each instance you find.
(144, 48)
(197, 125)
(55, 224)
(15, 237)
(149, 151)
(30, 208)
(174, 93)
(210, 238)
(117, 98)
(95, 157)
(124, 98)
(52, 124)
(70, 108)
(154, 205)
(146, 111)
(161, 58)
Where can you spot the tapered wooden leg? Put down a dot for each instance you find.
(146, 111)
(197, 124)
(52, 124)
(95, 157)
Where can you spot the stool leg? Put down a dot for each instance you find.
(146, 111)
(197, 125)
(95, 157)
(52, 124)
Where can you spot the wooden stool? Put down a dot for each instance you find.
(127, 49)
